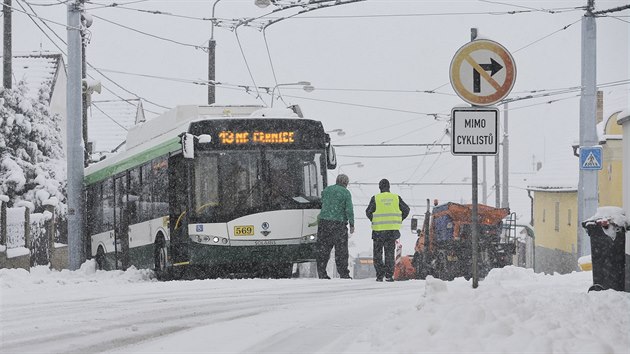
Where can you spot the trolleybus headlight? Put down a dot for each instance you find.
(216, 239)
(309, 238)
(225, 241)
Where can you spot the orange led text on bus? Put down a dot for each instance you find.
(257, 137)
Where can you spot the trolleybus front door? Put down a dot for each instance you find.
(121, 223)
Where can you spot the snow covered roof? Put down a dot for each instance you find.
(109, 121)
(560, 173)
(37, 70)
(608, 129)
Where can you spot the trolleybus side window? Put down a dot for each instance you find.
(160, 186)
(146, 198)
(95, 209)
(135, 190)
(108, 204)
(311, 168)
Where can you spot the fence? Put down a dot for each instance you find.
(28, 239)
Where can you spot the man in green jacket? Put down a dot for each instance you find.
(332, 231)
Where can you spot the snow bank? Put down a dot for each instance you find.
(514, 310)
(41, 277)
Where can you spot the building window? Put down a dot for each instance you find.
(557, 217)
(569, 217)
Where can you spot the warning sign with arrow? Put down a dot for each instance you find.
(482, 72)
(591, 158)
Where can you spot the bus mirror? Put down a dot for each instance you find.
(188, 146)
(414, 224)
(205, 138)
(331, 157)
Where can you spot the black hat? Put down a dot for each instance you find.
(383, 185)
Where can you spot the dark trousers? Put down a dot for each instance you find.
(387, 246)
(332, 234)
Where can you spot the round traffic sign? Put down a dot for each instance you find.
(482, 72)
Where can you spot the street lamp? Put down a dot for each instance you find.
(262, 3)
(339, 132)
(212, 54)
(358, 164)
(306, 86)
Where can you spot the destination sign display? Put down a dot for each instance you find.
(228, 137)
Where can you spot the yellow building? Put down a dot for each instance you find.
(611, 174)
(554, 212)
(554, 199)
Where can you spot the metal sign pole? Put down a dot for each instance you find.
(482, 73)
(474, 224)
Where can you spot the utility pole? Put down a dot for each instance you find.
(588, 182)
(84, 99)
(212, 60)
(8, 51)
(506, 161)
(76, 254)
(587, 185)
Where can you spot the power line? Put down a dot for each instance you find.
(403, 184)
(616, 9)
(392, 145)
(528, 45)
(41, 18)
(64, 53)
(240, 46)
(195, 46)
(551, 11)
(59, 2)
(363, 105)
(108, 116)
(493, 13)
(387, 156)
(547, 36)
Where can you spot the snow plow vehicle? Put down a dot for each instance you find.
(444, 246)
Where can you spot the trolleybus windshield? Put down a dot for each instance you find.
(230, 184)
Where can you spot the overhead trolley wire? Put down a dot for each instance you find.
(64, 53)
(195, 46)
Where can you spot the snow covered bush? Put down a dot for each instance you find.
(32, 161)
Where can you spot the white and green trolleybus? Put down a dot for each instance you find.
(210, 191)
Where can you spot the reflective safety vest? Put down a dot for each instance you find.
(387, 215)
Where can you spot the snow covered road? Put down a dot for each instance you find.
(513, 310)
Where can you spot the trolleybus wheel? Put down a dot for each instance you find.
(100, 258)
(159, 257)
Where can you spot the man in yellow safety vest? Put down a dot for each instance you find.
(386, 211)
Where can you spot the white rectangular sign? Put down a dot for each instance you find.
(475, 131)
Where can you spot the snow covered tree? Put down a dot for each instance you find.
(32, 161)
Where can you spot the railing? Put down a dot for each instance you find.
(27, 238)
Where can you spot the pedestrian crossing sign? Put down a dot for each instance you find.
(591, 158)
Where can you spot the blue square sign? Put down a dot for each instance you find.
(591, 158)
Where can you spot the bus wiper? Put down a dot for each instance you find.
(248, 193)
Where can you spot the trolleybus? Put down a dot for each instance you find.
(214, 190)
